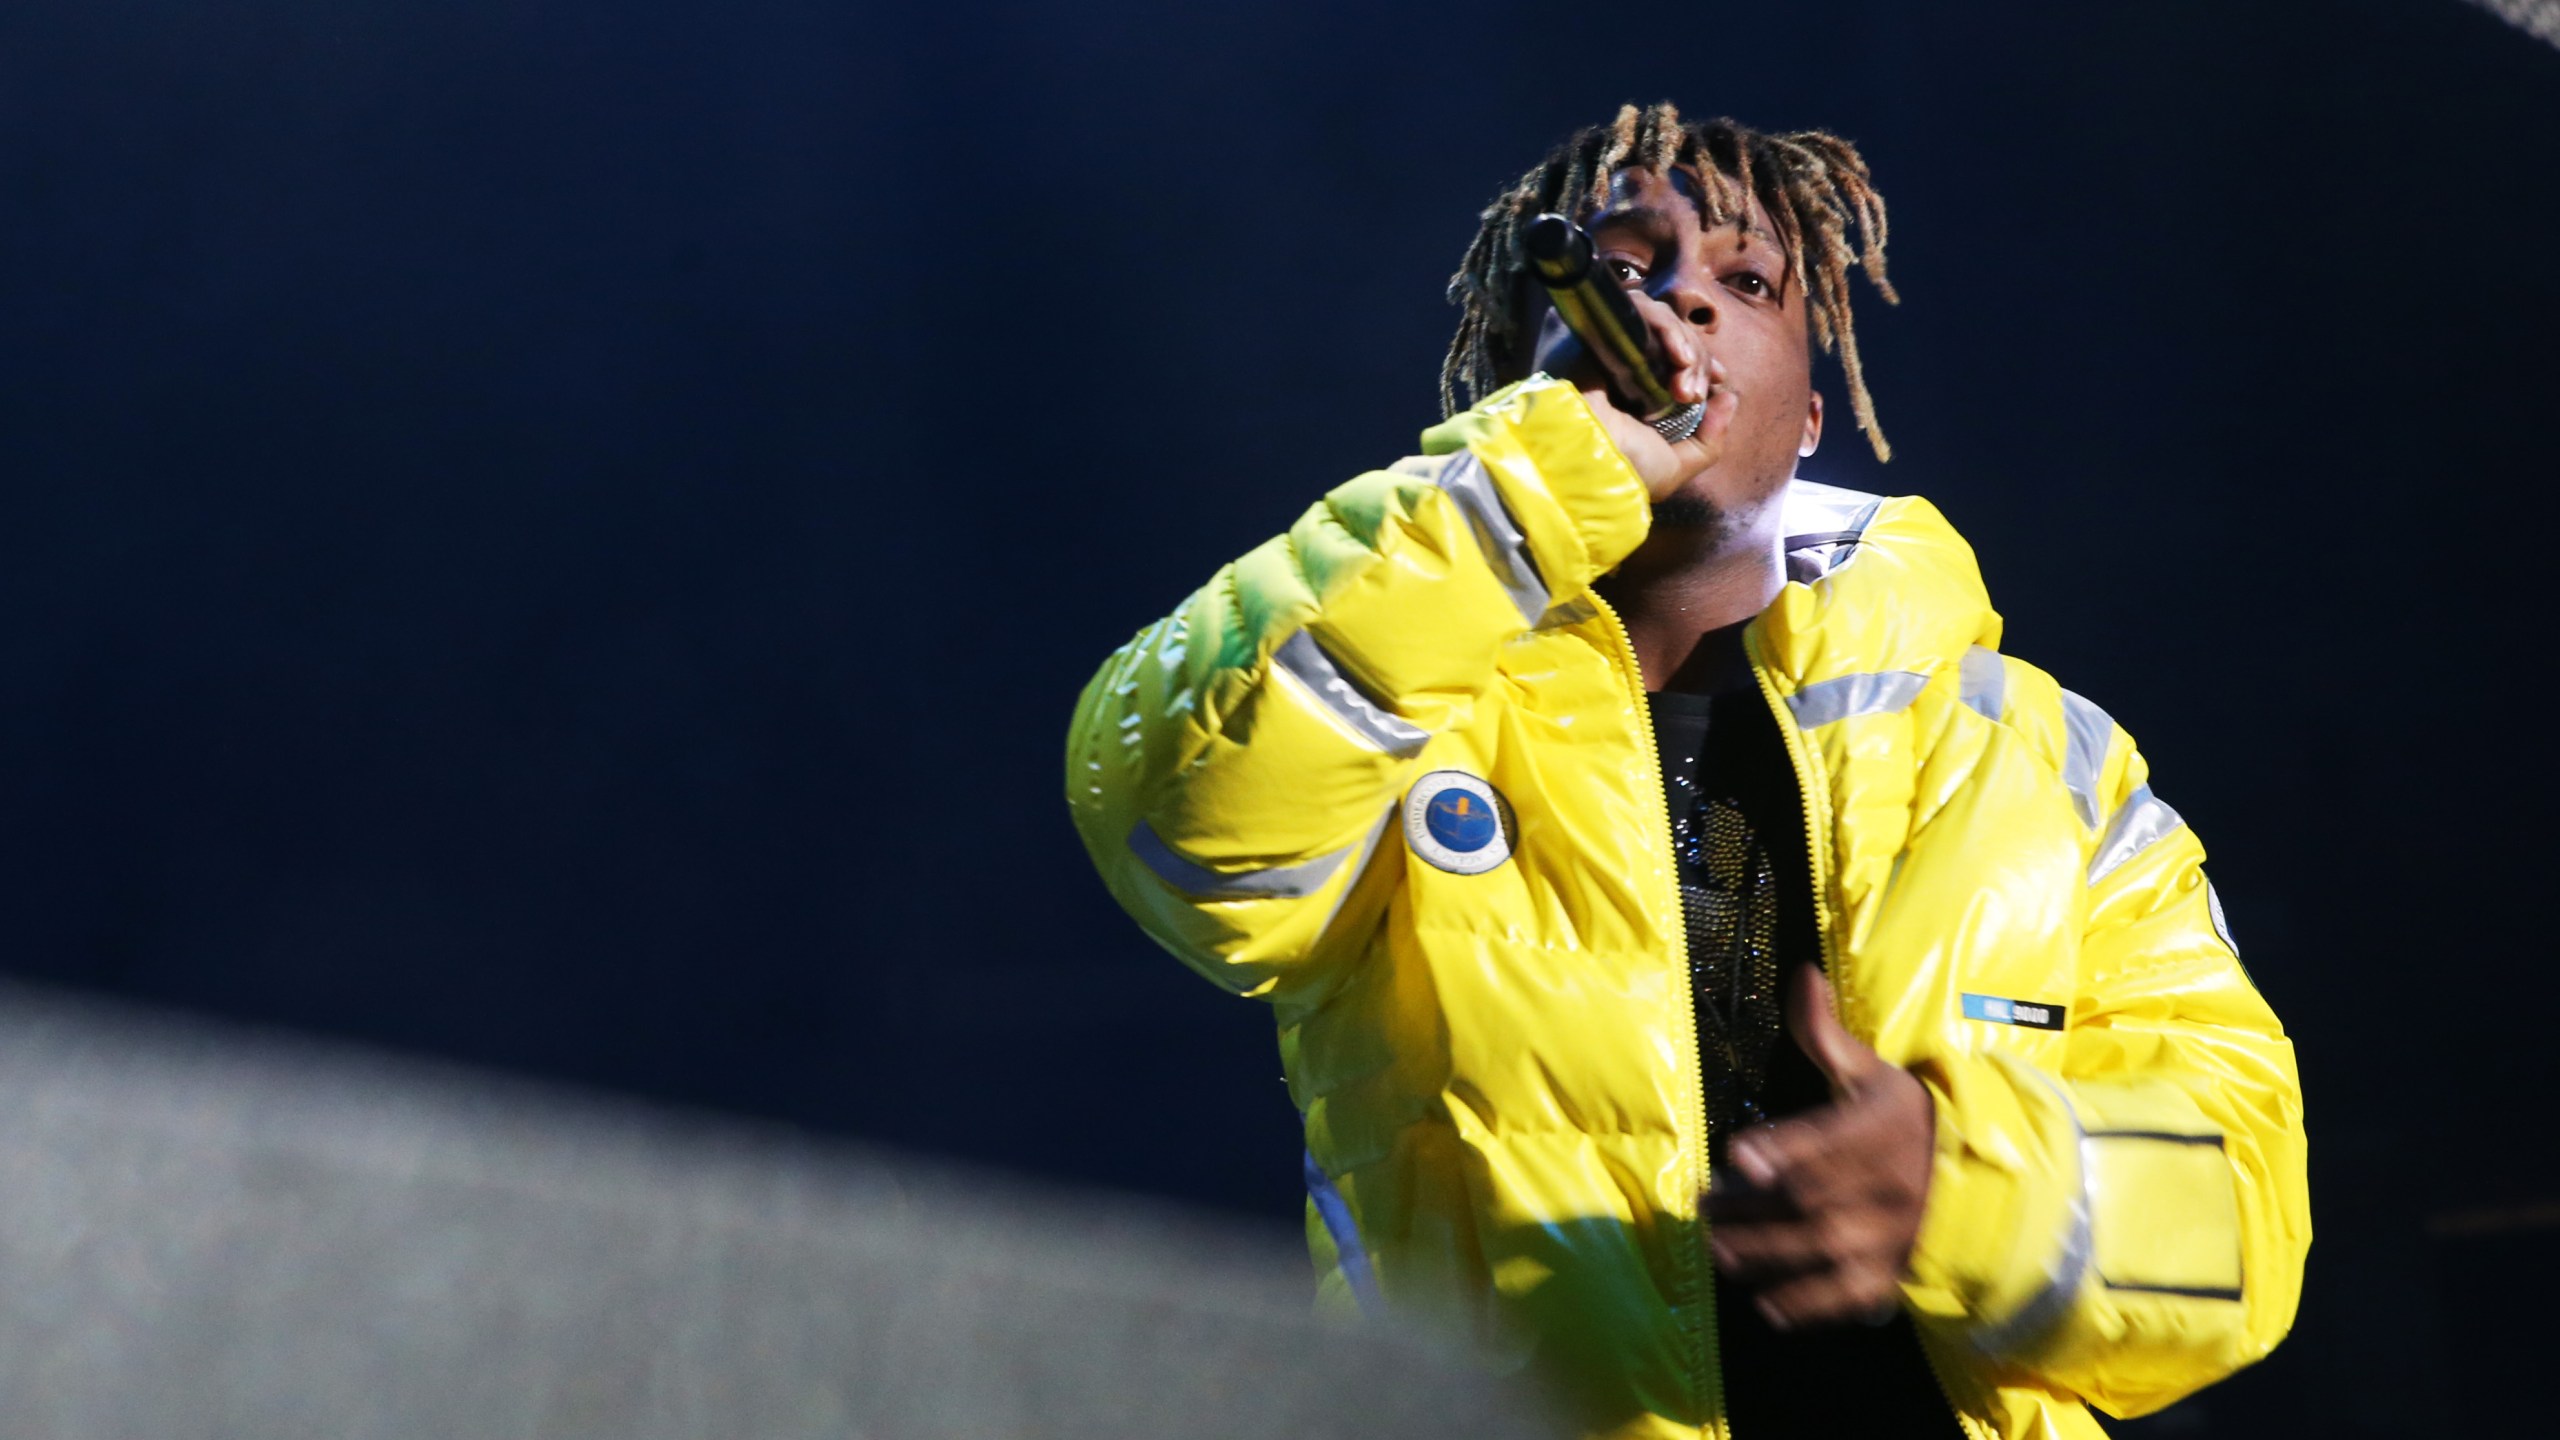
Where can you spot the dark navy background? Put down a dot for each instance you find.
(564, 534)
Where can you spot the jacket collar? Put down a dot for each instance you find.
(1874, 584)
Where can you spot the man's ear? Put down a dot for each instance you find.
(1812, 440)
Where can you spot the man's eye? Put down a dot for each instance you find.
(1624, 271)
(1751, 282)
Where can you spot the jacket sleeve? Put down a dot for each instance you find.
(1233, 768)
(2134, 1227)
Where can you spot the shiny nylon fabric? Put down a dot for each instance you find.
(1498, 1071)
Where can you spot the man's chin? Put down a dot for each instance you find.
(1689, 510)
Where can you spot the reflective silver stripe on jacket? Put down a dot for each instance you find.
(2070, 1268)
(1823, 526)
(1873, 693)
(2090, 730)
(2142, 819)
(1367, 850)
(1284, 882)
(2221, 927)
(1506, 548)
(1571, 612)
(1983, 681)
(1304, 661)
(1349, 1254)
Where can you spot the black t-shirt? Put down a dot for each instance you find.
(1746, 890)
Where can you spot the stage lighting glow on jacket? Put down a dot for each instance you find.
(1392, 772)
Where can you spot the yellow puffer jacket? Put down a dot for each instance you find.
(1393, 772)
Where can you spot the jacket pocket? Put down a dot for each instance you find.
(2136, 1176)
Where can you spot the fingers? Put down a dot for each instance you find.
(1688, 372)
(1820, 1211)
(1796, 1155)
(1831, 1297)
(1696, 377)
(1683, 356)
(1771, 1248)
(1732, 1199)
(1693, 374)
(1770, 1251)
(1861, 1151)
(1815, 1160)
(1813, 1266)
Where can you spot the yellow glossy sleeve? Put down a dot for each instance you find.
(1232, 769)
(2133, 1227)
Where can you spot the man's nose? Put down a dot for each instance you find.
(1692, 292)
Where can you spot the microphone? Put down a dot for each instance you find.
(1603, 318)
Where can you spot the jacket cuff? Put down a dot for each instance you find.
(2004, 1243)
(1575, 498)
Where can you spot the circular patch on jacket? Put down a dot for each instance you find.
(1458, 822)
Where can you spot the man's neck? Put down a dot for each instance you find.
(1680, 584)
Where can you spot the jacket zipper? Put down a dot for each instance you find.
(1799, 756)
(1709, 1356)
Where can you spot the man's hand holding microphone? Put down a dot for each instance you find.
(1646, 371)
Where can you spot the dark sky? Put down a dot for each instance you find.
(564, 535)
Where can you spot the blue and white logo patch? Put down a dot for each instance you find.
(2034, 1014)
(1458, 822)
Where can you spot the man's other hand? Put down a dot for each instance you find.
(1820, 1211)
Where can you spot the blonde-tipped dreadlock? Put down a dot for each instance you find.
(1811, 184)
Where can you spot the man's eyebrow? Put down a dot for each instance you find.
(1655, 218)
(1649, 217)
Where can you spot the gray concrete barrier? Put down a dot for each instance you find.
(209, 1235)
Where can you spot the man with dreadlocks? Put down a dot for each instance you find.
(1712, 975)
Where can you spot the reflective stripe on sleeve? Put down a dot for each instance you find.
(2090, 730)
(1304, 661)
(1506, 548)
(2221, 927)
(2143, 819)
(1350, 1255)
(1878, 692)
(2069, 1269)
(1284, 882)
(1983, 681)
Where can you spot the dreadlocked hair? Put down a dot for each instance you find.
(1811, 184)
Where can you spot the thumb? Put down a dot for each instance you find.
(1842, 1057)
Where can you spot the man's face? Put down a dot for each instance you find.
(1731, 284)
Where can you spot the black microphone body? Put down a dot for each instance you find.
(1561, 255)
